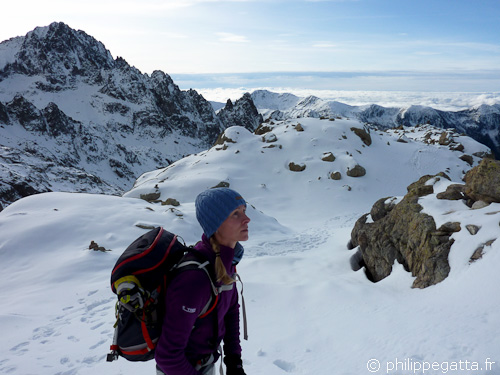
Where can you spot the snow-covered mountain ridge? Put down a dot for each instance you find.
(321, 154)
(72, 118)
(481, 123)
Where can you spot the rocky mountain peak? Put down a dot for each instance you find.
(58, 50)
(242, 112)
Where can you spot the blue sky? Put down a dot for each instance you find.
(363, 44)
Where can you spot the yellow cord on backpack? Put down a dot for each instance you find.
(130, 279)
(124, 285)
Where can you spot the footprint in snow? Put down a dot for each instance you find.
(20, 348)
(43, 332)
(98, 344)
(96, 326)
(285, 366)
(8, 369)
(103, 303)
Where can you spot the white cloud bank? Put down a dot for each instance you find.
(396, 89)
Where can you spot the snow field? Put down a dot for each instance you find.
(308, 312)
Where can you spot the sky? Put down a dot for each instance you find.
(429, 45)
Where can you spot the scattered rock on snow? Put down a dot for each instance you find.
(222, 184)
(357, 171)
(171, 202)
(299, 128)
(335, 176)
(263, 129)
(328, 156)
(94, 246)
(269, 138)
(479, 252)
(468, 159)
(363, 134)
(151, 197)
(223, 138)
(473, 229)
(296, 167)
(479, 204)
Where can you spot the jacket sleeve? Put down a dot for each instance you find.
(232, 323)
(185, 297)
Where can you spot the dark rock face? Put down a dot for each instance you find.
(59, 53)
(26, 114)
(242, 113)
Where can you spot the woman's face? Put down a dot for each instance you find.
(234, 228)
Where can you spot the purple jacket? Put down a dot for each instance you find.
(186, 338)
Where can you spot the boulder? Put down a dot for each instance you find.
(299, 128)
(335, 176)
(328, 156)
(151, 197)
(269, 138)
(296, 167)
(357, 171)
(453, 192)
(482, 183)
(223, 138)
(364, 135)
(171, 202)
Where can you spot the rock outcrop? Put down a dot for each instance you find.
(399, 230)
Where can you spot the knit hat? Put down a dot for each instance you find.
(213, 206)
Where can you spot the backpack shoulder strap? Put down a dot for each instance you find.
(193, 260)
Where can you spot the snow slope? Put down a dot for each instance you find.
(308, 312)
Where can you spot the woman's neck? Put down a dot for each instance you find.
(231, 244)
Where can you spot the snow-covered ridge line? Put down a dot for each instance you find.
(481, 123)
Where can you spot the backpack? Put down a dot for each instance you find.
(139, 279)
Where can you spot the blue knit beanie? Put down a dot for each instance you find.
(213, 206)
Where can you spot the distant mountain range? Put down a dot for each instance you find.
(73, 118)
(481, 123)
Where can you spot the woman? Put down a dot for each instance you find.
(189, 344)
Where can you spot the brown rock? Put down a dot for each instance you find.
(453, 192)
(296, 167)
(364, 135)
(328, 156)
(402, 232)
(483, 181)
(357, 171)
